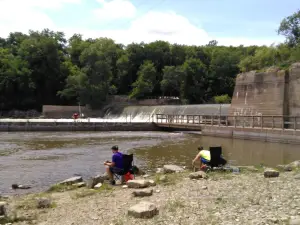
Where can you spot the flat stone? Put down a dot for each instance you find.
(125, 186)
(20, 186)
(297, 177)
(285, 168)
(295, 164)
(146, 176)
(295, 221)
(271, 173)
(71, 180)
(3, 209)
(140, 183)
(43, 203)
(248, 168)
(163, 178)
(159, 170)
(142, 193)
(172, 169)
(198, 175)
(97, 186)
(143, 210)
(96, 180)
(79, 185)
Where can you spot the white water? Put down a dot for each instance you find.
(139, 114)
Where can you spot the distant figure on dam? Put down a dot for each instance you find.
(209, 158)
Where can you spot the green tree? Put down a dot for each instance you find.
(145, 83)
(290, 28)
(172, 79)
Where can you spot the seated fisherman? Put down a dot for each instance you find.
(204, 156)
(116, 166)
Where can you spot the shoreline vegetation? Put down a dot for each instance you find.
(169, 195)
(45, 68)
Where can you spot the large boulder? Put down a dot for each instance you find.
(198, 175)
(142, 192)
(172, 169)
(96, 180)
(3, 209)
(140, 183)
(271, 173)
(143, 210)
(71, 181)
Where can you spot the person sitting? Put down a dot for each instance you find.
(116, 165)
(203, 156)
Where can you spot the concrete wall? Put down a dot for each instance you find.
(36, 126)
(294, 90)
(258, 94)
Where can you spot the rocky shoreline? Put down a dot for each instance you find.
(171, 195)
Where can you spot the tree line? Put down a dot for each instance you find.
(45, 68)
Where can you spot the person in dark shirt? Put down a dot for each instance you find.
(116, 165)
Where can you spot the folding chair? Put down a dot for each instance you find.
(216, 159)
(127, 167)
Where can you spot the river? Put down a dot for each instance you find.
(42, 159)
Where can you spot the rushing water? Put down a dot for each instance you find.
(42, 159)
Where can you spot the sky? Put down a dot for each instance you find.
(190, 22)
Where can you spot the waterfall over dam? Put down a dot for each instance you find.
(148, 113)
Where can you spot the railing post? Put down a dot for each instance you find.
(272, 122)
(262, 122)
(295, 122)
(199, 119)
(252, 121)
(282, 122)
(193, 119)
(212, 120)
(219, 120)
(243, 117)
(226, 121)
(234, 121)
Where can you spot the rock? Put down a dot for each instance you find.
(159, 170)
(20, 186)
(163, 178)
(286, 168)
(143, 210)
(96, 180)
(125, 186)
(3, 209)
(295, 221)
(151, 183)
(97, 186)
(142, 193)
(198, 175)
(79, 185)
(204, 188)
(43, 203)
(146, 176)
(140, 183)
(172, 169)
(297, 177)
(157, 191)
(71, 180)
(295, 164)
(271, 173)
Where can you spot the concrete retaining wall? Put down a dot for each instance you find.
(5, 127)
(268, 135)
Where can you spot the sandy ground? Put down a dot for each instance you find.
(223, 198)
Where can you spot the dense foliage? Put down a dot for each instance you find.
(42, 68)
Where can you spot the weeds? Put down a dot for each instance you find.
(61, 188)
(89, 192)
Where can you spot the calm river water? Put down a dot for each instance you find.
(42, 159)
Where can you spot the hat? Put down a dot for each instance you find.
(200, 148)
(115, 147)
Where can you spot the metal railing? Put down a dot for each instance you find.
(264, 122)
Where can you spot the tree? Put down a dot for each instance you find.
(146, 81)
(172, 79)
(194, 85)
(290, 28)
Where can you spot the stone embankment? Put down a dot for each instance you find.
(171, 195)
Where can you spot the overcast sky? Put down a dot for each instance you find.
(193, 22)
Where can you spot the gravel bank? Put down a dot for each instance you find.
(223, 198)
